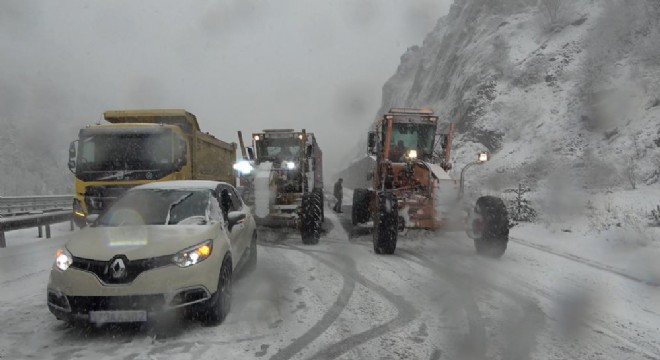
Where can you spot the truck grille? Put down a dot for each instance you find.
(99, 198)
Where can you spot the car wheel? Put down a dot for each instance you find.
(252, 259)
(221, 302)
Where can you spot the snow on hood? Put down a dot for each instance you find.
(137, 242)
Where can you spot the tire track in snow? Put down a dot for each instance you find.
(522, 344)
(477, 330)
(324, 323)
(406, 312)
(583, 261)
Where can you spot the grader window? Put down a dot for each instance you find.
(405, 137)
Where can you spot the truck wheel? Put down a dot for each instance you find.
(319, 193)
(386, 224)
(360, 209)
(490, 227)
(220, 303)
(310, 220)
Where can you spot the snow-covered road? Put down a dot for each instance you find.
(433, 299)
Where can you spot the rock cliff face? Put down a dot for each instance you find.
(571, 99)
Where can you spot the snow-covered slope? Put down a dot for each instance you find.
(32, 164)
(569, 107)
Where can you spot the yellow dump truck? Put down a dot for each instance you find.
(141, 146)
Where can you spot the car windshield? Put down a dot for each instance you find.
(159, 207)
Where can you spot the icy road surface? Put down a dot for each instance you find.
(433, 299)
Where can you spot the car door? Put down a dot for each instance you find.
(247, 227)
(236, 232)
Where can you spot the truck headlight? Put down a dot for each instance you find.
(77, 208)
(290, 165)
(412, 154)
(63, 259)
(193, 255)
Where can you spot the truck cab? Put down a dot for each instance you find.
(138, 147)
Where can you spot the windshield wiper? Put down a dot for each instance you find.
(174, 204)
(119, 174)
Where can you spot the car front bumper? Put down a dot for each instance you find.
(75, 294)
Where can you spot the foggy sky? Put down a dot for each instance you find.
(238, 65)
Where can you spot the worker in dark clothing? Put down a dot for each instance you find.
(339, 195)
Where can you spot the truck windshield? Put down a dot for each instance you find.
(159, 207)
(112, 152)
(407, 136)
(278, 149)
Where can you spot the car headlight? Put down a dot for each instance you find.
(63, 259)
(193, 255)
(290, 165)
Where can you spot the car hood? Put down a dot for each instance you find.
(137, 242)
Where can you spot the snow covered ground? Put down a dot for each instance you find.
(547, 298)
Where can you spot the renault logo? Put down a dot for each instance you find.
(118, 269)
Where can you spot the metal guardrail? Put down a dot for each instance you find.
(12, 205)
(22, 212)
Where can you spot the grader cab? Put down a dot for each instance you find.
(412, 188)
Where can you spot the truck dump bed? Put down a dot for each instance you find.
(211, 158)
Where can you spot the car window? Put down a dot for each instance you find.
(235, 201)
(215, 212)
(158, 207)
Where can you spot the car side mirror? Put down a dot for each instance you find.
(72, 149)
(180, 154)
(91, 218)
(225, 200)
(180, 163)
(72, 165)
(235, 217)
(371, 143)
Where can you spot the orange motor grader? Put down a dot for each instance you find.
(413, 190)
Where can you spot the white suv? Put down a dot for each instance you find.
(161, 247)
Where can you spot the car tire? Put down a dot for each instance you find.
(251, 264)
(491, 227)
(221, 301)
(386, 224)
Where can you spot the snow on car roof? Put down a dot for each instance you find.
(182, 184)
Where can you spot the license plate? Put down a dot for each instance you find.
(117, 316)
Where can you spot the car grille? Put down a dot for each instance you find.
(85, 304)
(102, 269)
